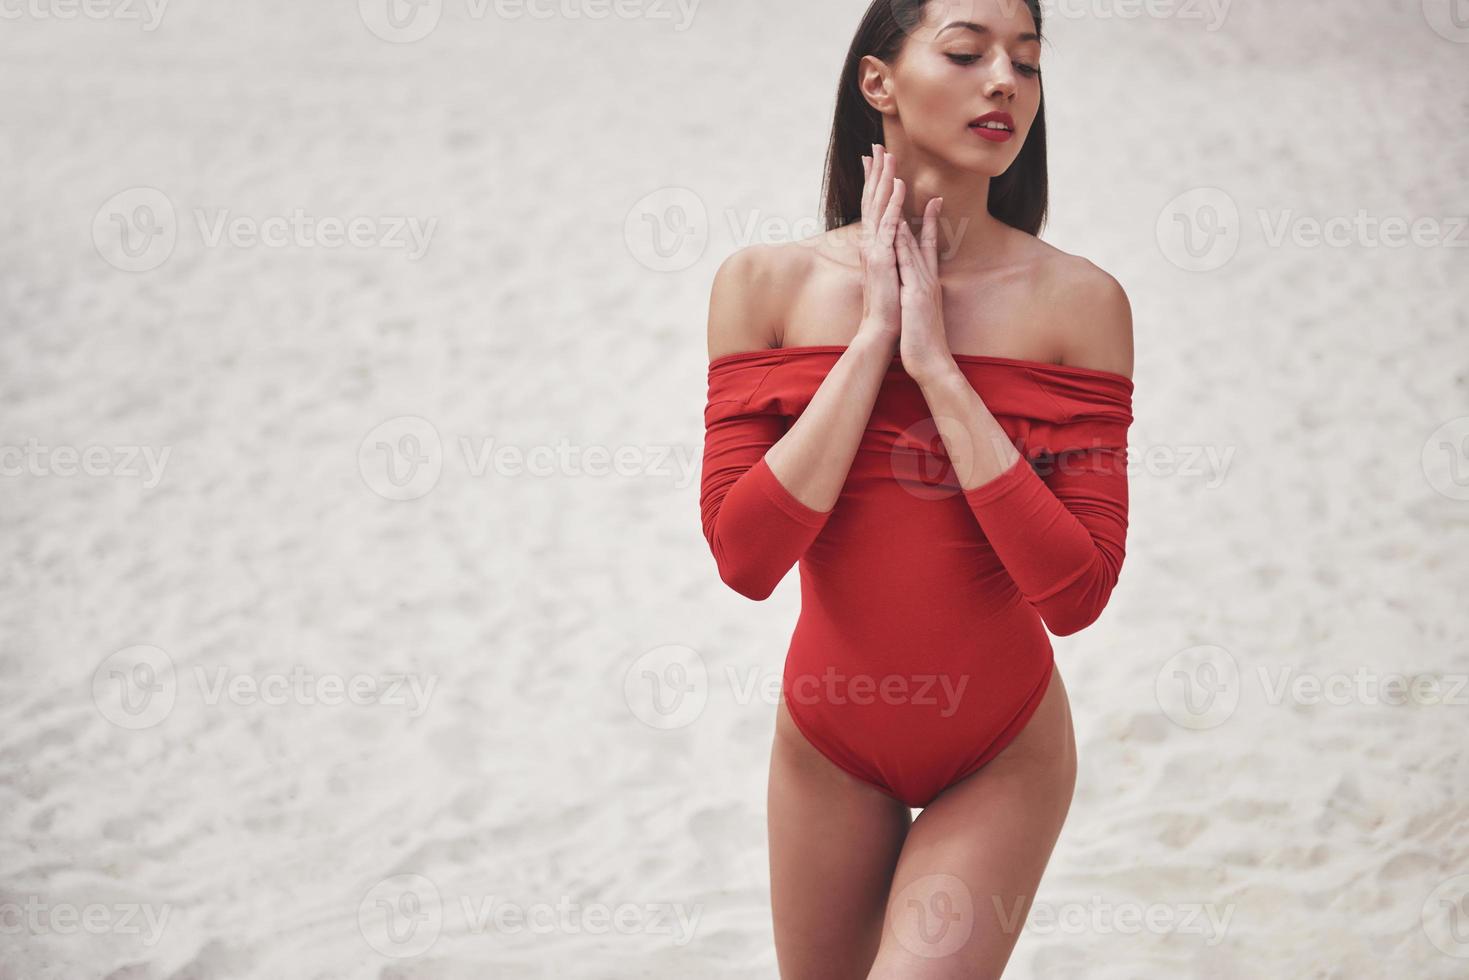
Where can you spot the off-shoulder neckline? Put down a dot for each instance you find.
(961, 358)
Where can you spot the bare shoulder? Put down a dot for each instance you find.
(753, 289)
(1091, 311)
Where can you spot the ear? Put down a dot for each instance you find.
(875, 81)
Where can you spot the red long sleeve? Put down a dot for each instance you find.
(755, 528)
(1062, 537)
(1059, 529)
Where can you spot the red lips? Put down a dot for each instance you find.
(997, 116)
(994, 135)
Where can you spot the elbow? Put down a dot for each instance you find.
(749, 585)
(1074, 609)
(1079, 601)
(744, 576)
(1066, 620)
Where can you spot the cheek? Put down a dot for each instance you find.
(929, 102)
(1031, 111)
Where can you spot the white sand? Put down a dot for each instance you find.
(266, 833)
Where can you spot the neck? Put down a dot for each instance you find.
(969, 236)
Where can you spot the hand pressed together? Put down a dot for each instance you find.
(902, 295)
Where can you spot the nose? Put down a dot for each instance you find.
(1001, 82)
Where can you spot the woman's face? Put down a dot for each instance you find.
(969, 59)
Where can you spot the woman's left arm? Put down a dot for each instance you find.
(1061, 537)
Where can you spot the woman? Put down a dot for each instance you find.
(933, 424)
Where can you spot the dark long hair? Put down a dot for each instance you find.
(1018, 197)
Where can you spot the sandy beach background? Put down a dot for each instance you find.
(356, 619)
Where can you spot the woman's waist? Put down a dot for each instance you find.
(910, 623)
(917, 566)
(1006, 654)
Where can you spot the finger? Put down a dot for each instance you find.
(922, 274)
(915, 251)
(882, 181)
(930, 243)
(907, 259)
(892, 217)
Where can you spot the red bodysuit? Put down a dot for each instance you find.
(921, 648)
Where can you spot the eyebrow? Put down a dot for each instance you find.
(969, 25)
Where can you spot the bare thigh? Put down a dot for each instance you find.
(969, 868)
(834, 841)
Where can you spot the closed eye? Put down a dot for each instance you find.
(1029, 71)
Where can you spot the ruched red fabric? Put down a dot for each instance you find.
(921, 647)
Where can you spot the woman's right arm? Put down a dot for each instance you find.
(766, 491)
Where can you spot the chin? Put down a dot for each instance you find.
(983, 164)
